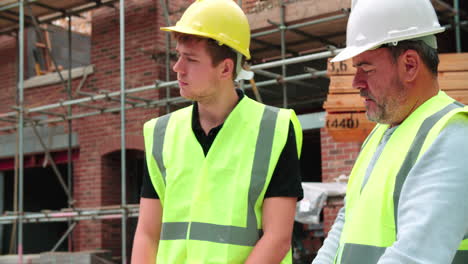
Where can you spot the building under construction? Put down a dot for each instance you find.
(76, 95)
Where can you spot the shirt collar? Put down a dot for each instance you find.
(196, 117)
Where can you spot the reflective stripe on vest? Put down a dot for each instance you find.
(158, 143)
(353, 253)
(364, 254)
(247, 236)
(212, 203)
(413, 154)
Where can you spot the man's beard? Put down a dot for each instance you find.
(385, 109)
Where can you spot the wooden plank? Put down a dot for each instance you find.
(353, 126)
(448, 62)
(459, 95)
(447, 81)
(7, 2)
(52, 3)
(65, 4)
(340, 84)
(352, 102)
(453, 62)
(340, 68)
(442, 7)
(44, 14)
(453, 80)
(348, 127)
(344, 103)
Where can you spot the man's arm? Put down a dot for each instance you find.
(433, 212)
(279, 206)
(278, 220)
(145, 244)
(327, 252)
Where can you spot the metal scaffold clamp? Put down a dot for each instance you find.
(332, 49)
(313, 72)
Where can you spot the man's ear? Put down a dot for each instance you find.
(410, 65)
(227, 68)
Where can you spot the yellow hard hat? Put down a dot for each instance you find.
(221, 20)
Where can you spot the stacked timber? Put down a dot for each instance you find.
(14, 259)
(83, 257)
(346, 120)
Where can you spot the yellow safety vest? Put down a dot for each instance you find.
(371, 212)
(212, 206)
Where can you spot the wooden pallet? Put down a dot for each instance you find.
(345, 108)
(340, 84)
(353, 102)
(449, 62)
(348, 126)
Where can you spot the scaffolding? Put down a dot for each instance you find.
(23, 117)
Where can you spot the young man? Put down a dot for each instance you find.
(223, 173)
(405, 198)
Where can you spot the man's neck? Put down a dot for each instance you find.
(422, 91)
(214, 111)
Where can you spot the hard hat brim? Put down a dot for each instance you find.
(184, 30)
(352, 51)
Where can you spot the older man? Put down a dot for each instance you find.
(405, 200)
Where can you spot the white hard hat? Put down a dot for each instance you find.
(376, 22)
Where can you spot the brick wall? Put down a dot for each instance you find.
(8, 55)
(337, 159)
(296, 10)
(97, 173)
(330, 212)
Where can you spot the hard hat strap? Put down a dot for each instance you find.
(242, 74)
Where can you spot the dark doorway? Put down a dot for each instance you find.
(311, 158)
(111, 170)
(42, 191)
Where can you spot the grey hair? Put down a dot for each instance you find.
(429, 55)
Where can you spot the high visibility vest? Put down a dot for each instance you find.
(212, 206)
(371, 211)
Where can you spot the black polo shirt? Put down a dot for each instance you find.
(286, 178)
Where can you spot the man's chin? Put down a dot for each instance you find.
(372, 116)
(187, 96)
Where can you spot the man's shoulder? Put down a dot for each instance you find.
(185, 110)
(265, 106)
(457, 124)
(452, 137)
